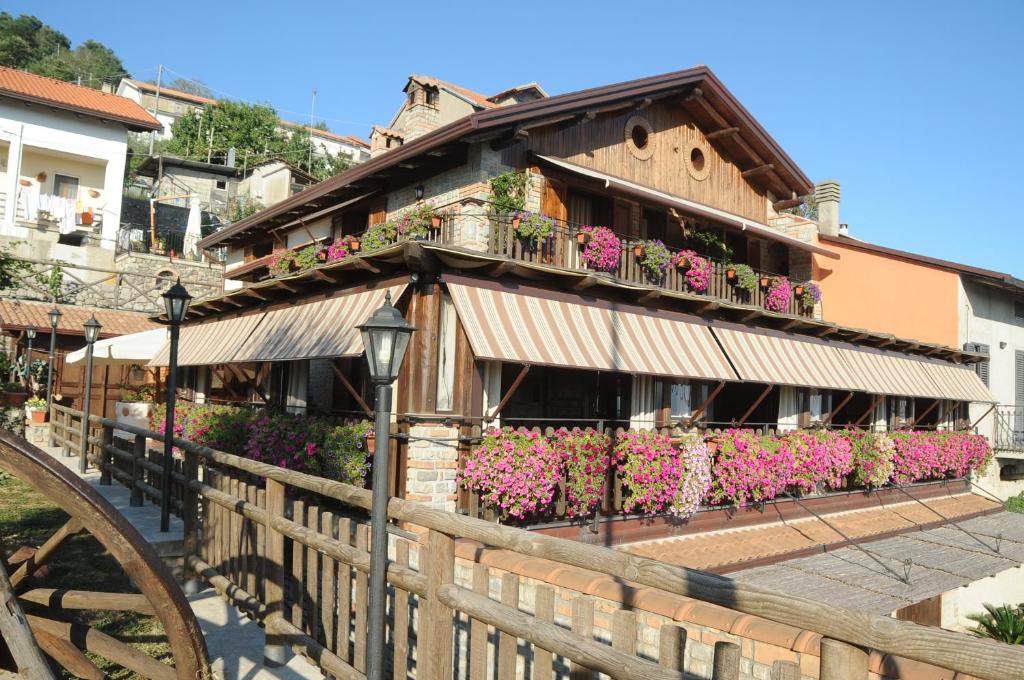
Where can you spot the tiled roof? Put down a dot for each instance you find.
(16, 315)
(327, 134)
(170, 92)
(47, 91)
(480, 100)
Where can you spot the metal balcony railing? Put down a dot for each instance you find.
(1009, 428)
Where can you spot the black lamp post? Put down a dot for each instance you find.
(54, 321)
(176, 301)
(92, 333)
(30, 335)
(385, 339)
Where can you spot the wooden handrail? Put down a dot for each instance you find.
(980, 658)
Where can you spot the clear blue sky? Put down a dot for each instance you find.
(914, 106)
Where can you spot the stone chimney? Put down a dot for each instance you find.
(827, 195)
(107, 87)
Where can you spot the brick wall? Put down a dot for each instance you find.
(431, 466)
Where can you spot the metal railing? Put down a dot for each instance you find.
(139, 239)
(291, 549)
(1008, 434)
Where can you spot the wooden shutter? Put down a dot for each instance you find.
(1018, 379)
(981, 368)
(553, 203)
(378, 211)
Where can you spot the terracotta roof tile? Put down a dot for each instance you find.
(41, 90)
(16, 315)
(477, 98)
(171, 92)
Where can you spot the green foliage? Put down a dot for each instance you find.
(709, 243)
(140, 394)
(536, 228)
(10, 268)
(1004, 623)
(138, 151)
(196, 87)
(35, 403)
(27, 43)
(345, 455)
(240, 207)
(1016, 503)
(746, 279)
(413, 223)
(508, 191)
(807, 209)
(655, 259)
(53, 280)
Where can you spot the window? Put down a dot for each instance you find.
(981, 368)
(432, 96)
(639, 137)
(1018, 310)
(65, 187)
(680, 399)
(221, 184)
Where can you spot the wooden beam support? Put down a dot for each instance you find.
(920, 416)
(361, 263)
(828, 330)
(699, 411)
(983, 415)
(871, 409)
(46, 551)
(86, 599)
(757, 402)
(709, 306)
(837, 409)
(759, 170)
(786, 204)
(584, 283)
(650, 296)
(352, 390)
(751, 315)
(724, 132)
(511, 391)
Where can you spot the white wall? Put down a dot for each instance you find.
(1006, 587)
(24, 128)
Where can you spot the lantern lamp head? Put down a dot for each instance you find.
(92, 330)
(54, 318)
(419, 192)
(176, 301)
(30, 332)
(385, 339)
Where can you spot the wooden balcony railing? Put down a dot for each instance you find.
(291, 549)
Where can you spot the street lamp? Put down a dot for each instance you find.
(176, 301)
(92, 333)
(54, 321)
(30, 334)
(385, 339)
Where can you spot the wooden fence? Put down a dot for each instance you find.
(291, 549)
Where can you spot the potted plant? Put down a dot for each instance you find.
(602, 250)
(14, 394)
(536, 229)
(371, 441)
(730, 273)
(778, 295)
(654, 259)
(682, 260)
(517, 219)
(639, 250)
(697, 272)
(798, 290)
(765, 281)
(745, 279)
(435, 221)
(135, 407)
(36, 409)
(354, 244)
(809, 295)
(583, 237)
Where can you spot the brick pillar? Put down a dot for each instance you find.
(431, 466)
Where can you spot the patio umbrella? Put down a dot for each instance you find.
(135, 348)
(193, 233)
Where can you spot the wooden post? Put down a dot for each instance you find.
(582, 625)
(438, 632)
(785, 670)
(672, 647)
(274, 648)
(840, 661)
(508, 645)
(727, 662)
(138, 453)
(190, 517)
(15, 631)
(106, 460)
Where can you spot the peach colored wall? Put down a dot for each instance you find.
(886, 294)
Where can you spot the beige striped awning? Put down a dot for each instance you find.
(892, 373)
(564, 330)
(958, 382)
(780, 359)
(210, 342)
(309, 330)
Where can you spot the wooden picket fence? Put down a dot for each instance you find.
(291, 550)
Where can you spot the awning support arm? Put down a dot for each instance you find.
(511, 391)
(837, 409)
(871, 409)
(699, 411)
(983, 416)
(757, 402)
(351, 390)
(925, 412)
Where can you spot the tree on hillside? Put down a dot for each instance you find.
(254, 131)
(27, 43)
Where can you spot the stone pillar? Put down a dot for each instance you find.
(431, 466)
(827, 195)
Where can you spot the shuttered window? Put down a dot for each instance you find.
(982, 367)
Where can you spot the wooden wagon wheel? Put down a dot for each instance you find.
(160, 595)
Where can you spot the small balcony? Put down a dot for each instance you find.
(1008, 434)
(139, 240)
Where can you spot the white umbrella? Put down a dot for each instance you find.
(135, 348)
(193, 233)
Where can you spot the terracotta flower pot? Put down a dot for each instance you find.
(38, 416)
(516, 221)
(730, 273)
(354, 245)
(371, 443)
(683, 263)
(638, 250)
(435, 221)
(583, 238)
(798, 290)
(765, 281)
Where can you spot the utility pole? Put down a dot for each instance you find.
(156, 104)
(312, 112)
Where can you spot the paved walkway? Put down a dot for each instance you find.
(235, 642)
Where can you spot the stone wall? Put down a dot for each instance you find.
(431, 466)
(151, 273)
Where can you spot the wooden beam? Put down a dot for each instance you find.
(724, 132)
(792, 323)
(649, 296)
(983, 415)
(786, 204)
(828, 330)
(871, 409)
(86, 599)
(584, 283)
(68, 530)
(752, 314)
(709, 306)
(759, 170)
(837, 409)
(361, 263)
(757, 402)
(699, 411)
(351, 390)
(920, 416)
(511, 391)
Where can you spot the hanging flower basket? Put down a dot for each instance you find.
(583, 238)
(682, 263)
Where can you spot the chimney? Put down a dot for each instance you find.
(827, 195)
(107, 87)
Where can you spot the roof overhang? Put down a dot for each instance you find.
(133, 124)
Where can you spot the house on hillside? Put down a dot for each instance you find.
(936, 301)
(609, 258)
(62, 149)
(349, 147)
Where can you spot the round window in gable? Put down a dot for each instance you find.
(697, 161)
(639, 137)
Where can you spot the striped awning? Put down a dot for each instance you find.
(211, 342)
(566, 331)
(309, 330)
(961, 383)
(780, 359)
(898, 374)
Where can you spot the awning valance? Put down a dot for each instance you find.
(511, 324)
(693, 207)
(211, 342)
(320, 329)
(781, 359)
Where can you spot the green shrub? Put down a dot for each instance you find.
(1004, 623)
(1016, 503)
(344, 453)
